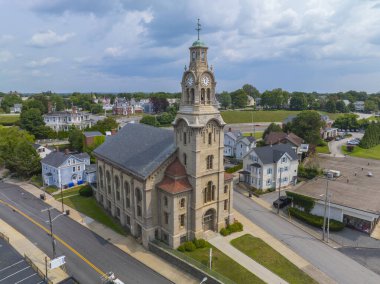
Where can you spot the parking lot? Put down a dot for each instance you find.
(13, 267)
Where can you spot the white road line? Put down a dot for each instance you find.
(25, 278)
(11, 265)
(1, 280)
(41, 282)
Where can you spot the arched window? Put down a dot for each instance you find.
(184, 159)
(187, 95)
(165, 201)
(184, 138)
(101, 178)
(225, 188)
(108, 181)
(209, 193)
(182, 203)
(210, 160)
(117, 187)
(192, 95)
(210, 138)
(127, 191)
(202, 96)
(203, 55)
(138, 194)
(193, 55)
(208, 96)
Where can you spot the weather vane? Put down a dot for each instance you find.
(198, 28)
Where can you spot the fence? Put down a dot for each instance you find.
(36, 269)
(187, 263)
(4, 237)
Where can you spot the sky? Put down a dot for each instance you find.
(130, 46)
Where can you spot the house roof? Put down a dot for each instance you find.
(176, 169)
(55, 159)
(175, 179)
(138, 148)
(271, 154)
(277, 137)
(36, 146)
(228, 176)
(247, 140)
(233, 134)
(90, 168)
(92, 133)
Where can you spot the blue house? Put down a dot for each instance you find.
(64, 169)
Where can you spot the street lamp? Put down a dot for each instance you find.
(279, 192)
(203, 280)
(328, 176)
(50, 221)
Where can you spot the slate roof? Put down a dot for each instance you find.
(92, 133)
(277, 137)
(55, 159)
(90, 168)
(138, 148)
(271, 154)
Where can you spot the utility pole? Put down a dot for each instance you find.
(51, 233)
(325, 209)
(62, 199)
(279, 192)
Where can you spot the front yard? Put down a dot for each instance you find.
(265, 255)
(371, 153)
(323, 149)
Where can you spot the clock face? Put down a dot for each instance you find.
(189, 81)
(205, 80)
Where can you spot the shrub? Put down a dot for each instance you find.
(86, 191)
(234, 168)
(189, 246)
(305, 202)
(181, 248)
(316, 221)
(308, 172)
(235, 227)
(225, 232)
(201, 243)
(350, 148)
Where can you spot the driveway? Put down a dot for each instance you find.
(335, 146)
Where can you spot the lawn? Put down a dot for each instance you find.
(371, 153)
(90, 207)
(224, 265)
(258, 134)
(9, 119)
(323, 149)
(232, 116)
(262, 253)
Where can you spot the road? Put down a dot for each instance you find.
(336, 146)
(87, 254)
(248, 127)
(330, 261)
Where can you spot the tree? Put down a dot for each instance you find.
(9, 100)
(298, 101)
(159, 103)
(17, 153)
(106, 124)
(225, 100)
(76, 139)
(165, 118)
(150, 120)
(57, 102)
(330, 106)
(251, 91)
(307, 124)
(370, 105)
(96, 108)
(273, 127)
(31, 119)
(371, 136)
(347, 122)
(239, 99)
(32, 103)
(341, 107)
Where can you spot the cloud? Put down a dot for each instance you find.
(6, 39)
(49, 38)
(5, 55)
(43, 62)
(114, 51)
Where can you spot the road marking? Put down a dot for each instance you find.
(1, 270)
(1, 280)
(56, 237)
(26, 278)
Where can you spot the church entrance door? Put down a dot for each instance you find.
(209, 220)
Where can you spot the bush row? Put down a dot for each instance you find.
(308, 172)
(192, 246)
(235, 227)
(316, 221)
(234, 168)
(303, 201)
(86, 191)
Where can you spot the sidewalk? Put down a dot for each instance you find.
(125, 243)
(23, 246)
(223, 244)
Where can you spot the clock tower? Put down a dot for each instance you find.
(199, 136)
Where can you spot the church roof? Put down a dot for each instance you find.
(176, 169)
(172, 185)
(228, 176)
(198, 43)
(138, 148)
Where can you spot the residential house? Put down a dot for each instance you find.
(250, 101)
(42, 150)
(230, 140)
(64, 169)
(16, 108)
(63, 120)
(329, 133)
(296, 142)
(89, 174)
(270, 167)
(243, 145)
(359, 105)
(346, 102)
(90, 137)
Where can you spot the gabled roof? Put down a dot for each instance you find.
(175, 179)
(277, 137)
(92, 133)
(233, 135)
(271, 154)
(228, 176)
(55, 159)
(138, 148)
(247, 140)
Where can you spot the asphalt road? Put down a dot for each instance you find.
(93, 249)
(330, 261)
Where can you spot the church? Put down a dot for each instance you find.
(170, 185)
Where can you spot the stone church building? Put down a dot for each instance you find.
(170, 184)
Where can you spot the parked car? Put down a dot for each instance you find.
(282, 202)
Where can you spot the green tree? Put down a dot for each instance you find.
(347, 122)
(298, 101)
(9, 100)
(31, 119)
(76, 139)
(165, 118)
(273, 127)
(307, 124)
(96, 108)
(251, 91)
(330, 106)
(239, 99)
(106, 124)
(370, 105)
(225, 100)
(341, 107)
(150, 120)
(33, 103)
(371, 136)
(57, 102)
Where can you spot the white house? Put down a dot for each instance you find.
(64, 169)
(230, 140)
(42, 150)
(359, 105)
(244, 145)
(16, 108)
(263, 167)
(63, 120)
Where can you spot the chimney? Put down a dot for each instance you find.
(66, 151)
(49, 107)
(113, 132)
(74, 109)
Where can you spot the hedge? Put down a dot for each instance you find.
(235, 227)
(308, 172)
(192, 245)
(234, 168)
(303, 201)
(316, 221)
(86, 191)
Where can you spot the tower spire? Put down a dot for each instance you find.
(198, 28)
